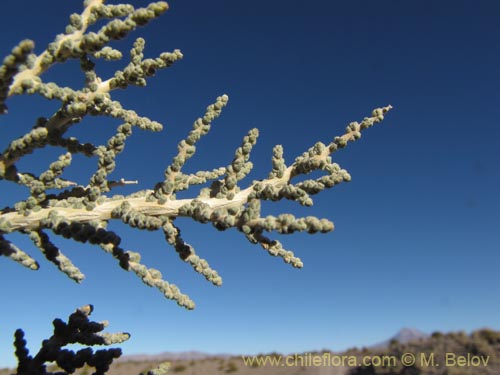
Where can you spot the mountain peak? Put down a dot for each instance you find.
(403, 336)
(409, 334)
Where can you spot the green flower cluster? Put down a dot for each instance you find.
(77, 330)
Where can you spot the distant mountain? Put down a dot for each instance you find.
(455, 348)
(404, 336)
(171, 356)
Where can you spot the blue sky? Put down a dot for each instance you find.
(416, 240)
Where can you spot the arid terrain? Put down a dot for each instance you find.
(210, 366)
(458, 353)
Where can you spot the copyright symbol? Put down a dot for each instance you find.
(408, 359)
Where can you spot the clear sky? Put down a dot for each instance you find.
(416, 242)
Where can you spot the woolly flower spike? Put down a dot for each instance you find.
(287, 223)
(240, 166)
(107, 156)
(149, 276)
(175, 180)
(53, 254)
(38, 137)
(187, 254)
(12, 65)
(78, 330)
(279, 165)
(275, 248)
(138, 69)
(10, 250)
(47, 180)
